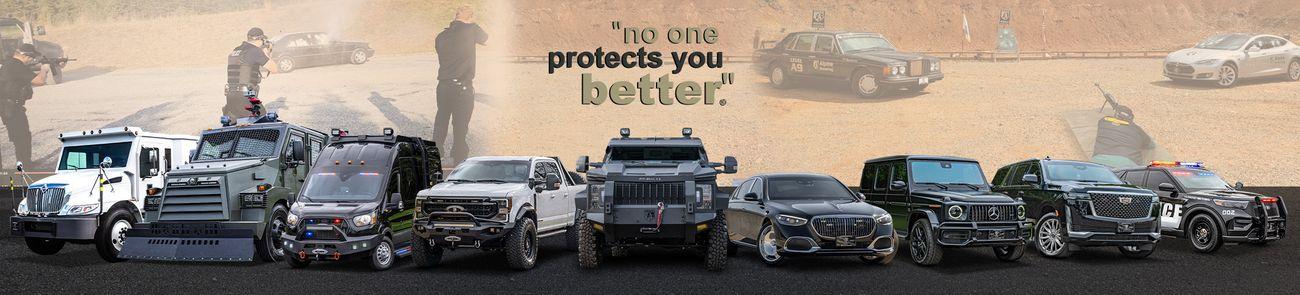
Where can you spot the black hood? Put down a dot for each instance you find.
(965, 196)
(888, 56)
(1087, 187)
(340, 210)
(810, 208)
(1227, 194)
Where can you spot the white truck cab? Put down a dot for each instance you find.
(97, 191)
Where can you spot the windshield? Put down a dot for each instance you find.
(807, 188)
(1199, 180)
(89, 156)
(355, 186)
(1224, 42)
(1081, 172)
(237, 144)
(491, 171)
(854, 43)
(947, 172)
(13, 31)
(654, 154)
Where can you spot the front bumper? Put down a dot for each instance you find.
(58, 228)
(904, 81)
(466, 231)
(800, 241)
(978, 234)
(191, 241)
(1094, 231)
(636, 225)
(1255, 230)
(320, 249)
(1183, 71)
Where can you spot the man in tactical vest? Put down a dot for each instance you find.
(244, 72)
(1120, 141)
(456, 63)
(16, 81)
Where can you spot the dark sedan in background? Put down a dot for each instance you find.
(868, 61)
(307, 49)
(807, 214)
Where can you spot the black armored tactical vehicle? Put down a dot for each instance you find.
(1075, 204)
(945, 202)
(654, 191)
(1198, 205)
(359, 198)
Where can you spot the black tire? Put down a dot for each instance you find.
(769, 254)
(521, 245)
(270, 247)
(589, 248)
(111, 233)
(1293, 70)
(923, 245)
(294, 262)
(778, 74)
(1134, 253)
(45, 246)
(1009, 253)
(716, 255)
(1228, 76)
(1204, 233)
(883, 260)
(286, 65)
(866, 85)
(1050, 236)
(384, 256)
(358, 56)
(425, 255)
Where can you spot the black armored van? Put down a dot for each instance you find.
(654, 192)
(358, 199)
(939, 202)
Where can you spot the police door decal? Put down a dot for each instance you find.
(1171, 215)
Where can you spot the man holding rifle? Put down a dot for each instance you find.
(16, 81)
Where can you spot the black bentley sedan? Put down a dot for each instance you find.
(794, 214)
(867, 61)
(306, 49)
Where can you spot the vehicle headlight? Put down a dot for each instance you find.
(503, 208)
(899, 70)
(292, 220)
(934, 66)
(1020, 212)
(1207, 62)
(884, 219)
(956, 212)
(80, 209)
(22, 208)
(365, 220)
(704, 196)
(593, 192)
(791, 220)
(252, 200)
(1232, 204)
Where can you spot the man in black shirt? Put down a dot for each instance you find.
(456, 61)
(16, 81)
(244, 72)
(1120, 142)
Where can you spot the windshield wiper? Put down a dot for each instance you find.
(971, 186)
(940, 185)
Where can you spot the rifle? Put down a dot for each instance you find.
(55, 60)
(1110, 99)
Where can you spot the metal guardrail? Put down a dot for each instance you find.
(952, 55)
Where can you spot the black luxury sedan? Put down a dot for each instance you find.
(307, 49)
(792, 214)
(867, 61)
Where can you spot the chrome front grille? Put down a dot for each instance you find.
(1121, 205)
(832, 227)
(193, 202)
(649, 193)
(45, 200)
(916, 67)
(480, 208)
(993, 212)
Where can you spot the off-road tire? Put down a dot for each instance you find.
(1009, 253)
(105, 235)
(883, 260)
(270, 241)
(859, 82)
(716, 256)
(1049, 227)
(1228, 76)
(378, 261)
(779, 75)
(294, 262)
(1212, 240)
(44, 246)
(286, 65)
(589, 252)
(1135, 253)
(521, 245)
(923, 245)
(425, 255)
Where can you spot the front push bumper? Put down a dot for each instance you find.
(58, 228)
(191, 241)
(316, 249)
(465, 232)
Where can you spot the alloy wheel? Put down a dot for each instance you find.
(118, 234)
(384, 253)
(530, 245)
(1227, 76)
(767, 245)
(918, 242)
(778, 76)
(1049, 237)
(1295, 70)
(867, 84)
(1201, 233)
(277, 243)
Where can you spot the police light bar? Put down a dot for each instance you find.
(1194, 165)
(624, 132)
(686, 132)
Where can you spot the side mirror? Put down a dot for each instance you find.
(1030, 178)
(297, 152)
(39, 31)
(394, 202)
(752, 197)
(107, 162)
(729, 165)
(861, 197)
(1168, 187)
(583, 161)
(552, 182)
(19, 166)
(148, 162)
(897, 185)
(1239, 186)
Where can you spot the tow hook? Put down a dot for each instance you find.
(659, 221)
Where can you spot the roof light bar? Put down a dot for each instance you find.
(1195, 165)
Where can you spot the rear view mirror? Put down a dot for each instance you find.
(1168, 187)
(1030, 178)
(148, 162)
(19, 167)
(297, 152)
(107, 162)
(752, 197)
(861, 197)
(552, 182)
(729, 165)
(1239, 186)
(582, 165)
(394, 202)
(897, 185)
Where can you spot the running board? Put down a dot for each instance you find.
(552, 233)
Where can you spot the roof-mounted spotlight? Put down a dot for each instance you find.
(225, 121)
(336, 132)
(686, 132)
(388, 131)
(272, 117)
(624, 132)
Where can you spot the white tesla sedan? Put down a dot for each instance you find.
(1228, 58)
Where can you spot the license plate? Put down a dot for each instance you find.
(1125, 228)
(844, 241)
(923, 81)
(997, 234)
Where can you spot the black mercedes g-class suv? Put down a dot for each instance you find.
(1198, 205)
(359, 197)
(939, 202)
(656, 192)
(1076, 204)
(867, 61)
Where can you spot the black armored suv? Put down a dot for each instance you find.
(1198, 205)
(867, 61)
(653, 191)
(939, 202)
(1075, 204)
(359, 198)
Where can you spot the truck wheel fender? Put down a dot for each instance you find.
(125, 205)
(1046, 209)
(527, 210)
(1218, 221)
(923, 214)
